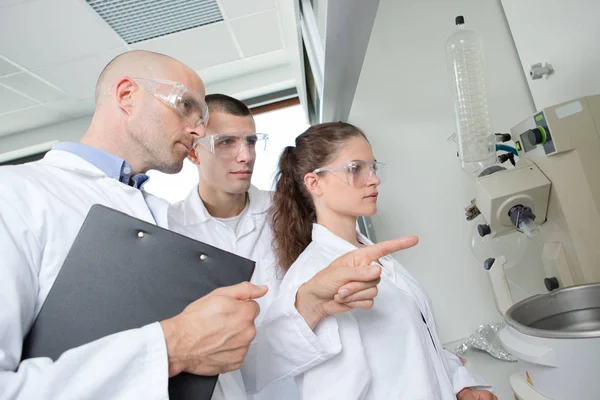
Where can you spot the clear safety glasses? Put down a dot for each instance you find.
(357, 173)
(188, 103)
(229, 145)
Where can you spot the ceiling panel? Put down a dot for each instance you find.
(255, 84)
(39, 33)
(29, 119)
(73, 108)
(7, 68)
(52, 51)
(136, 21)
(8, 3)
(241, 8)
(78, 78)
(11, 101)
(198, 48)
(258, 33)
(245, 66)
(33, 87)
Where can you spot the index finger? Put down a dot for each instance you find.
(367, 255)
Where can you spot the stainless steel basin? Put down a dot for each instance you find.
(572, 312)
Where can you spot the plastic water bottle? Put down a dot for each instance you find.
(476, 141)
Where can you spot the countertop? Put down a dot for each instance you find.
(494, 371)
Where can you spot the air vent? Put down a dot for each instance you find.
(138, 20)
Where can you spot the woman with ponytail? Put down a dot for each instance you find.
(392, 351)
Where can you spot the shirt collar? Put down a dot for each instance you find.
(113, 166)
(195, 211)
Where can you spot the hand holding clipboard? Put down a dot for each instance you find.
(122, 273)
(230, 315)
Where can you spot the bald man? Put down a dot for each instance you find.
(149, 110)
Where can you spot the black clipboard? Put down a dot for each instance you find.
(123, 273)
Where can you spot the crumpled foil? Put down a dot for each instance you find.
(485, 338)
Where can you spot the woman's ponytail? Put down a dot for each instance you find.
(293, 211)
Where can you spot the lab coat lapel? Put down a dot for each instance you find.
(259, 203)
(126, 197)
(195, 211)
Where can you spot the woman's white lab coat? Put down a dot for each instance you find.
(387, 352)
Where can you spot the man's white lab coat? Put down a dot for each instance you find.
(42, 207)
(253, 240)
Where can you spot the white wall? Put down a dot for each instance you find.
(70, 131)
(565, 36)
(404, 104)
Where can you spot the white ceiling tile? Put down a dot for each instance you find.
(78, 78)
(258, 34)
(40, 33)
(29, 119)
(8, 3)
(198, 48)
(11, 101)
(73, 108)
(241, 8)
(33, 87)
(7, 68)
(255, 84)
(245, 66)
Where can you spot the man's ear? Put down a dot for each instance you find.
(313, 184)
(124, 94)
(193, 155)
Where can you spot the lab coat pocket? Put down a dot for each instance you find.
(345, 376)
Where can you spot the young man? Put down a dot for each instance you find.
(227, 212)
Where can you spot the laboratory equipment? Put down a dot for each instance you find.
(557, 338)
(476, 140)
(554, 190)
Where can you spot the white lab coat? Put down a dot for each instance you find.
(387, 352)
(42, 207)
(284, 346)
(253, 241)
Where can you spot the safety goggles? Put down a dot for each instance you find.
(188, 103)
(229, 145)
(357, 173)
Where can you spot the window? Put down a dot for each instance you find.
(282, 125)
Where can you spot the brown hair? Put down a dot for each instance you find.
(293, 211)
(226, 104)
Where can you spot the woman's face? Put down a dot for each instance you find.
(350, 189)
